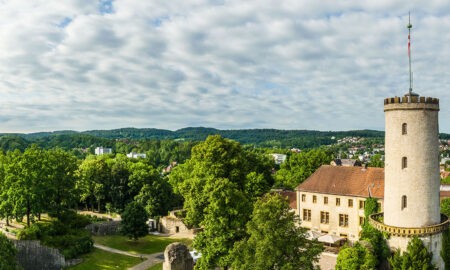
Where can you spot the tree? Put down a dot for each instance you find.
(27, 180)
(376, 161)
(275, 241)
(445, 207)
(300, 166)
(7, 254)
(62, 167)
(134, 221)
(416, 256)
(225, 218)
(355, 258)
(92, 177)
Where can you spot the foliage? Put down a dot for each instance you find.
(300, 166)
(66, 234)
(445, 180)
(99, 259)
(370, 207)
(275, 240)
(445, 254)
(148, 244)
(355, 258)
(445, 206)
(7, 254)
(416, 256)
(134, 221)
(376, 161)
(225, 216)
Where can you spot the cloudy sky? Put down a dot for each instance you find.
(292, 64)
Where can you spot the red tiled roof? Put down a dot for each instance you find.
(347, 181)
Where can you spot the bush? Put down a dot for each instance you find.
(71, 245)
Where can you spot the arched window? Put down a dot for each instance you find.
(404, 202)
(404, 129)
(404, 162)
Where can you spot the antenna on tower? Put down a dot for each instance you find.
(409, 26)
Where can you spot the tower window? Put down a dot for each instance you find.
(404, 129)
(404, 202)
(404, 162)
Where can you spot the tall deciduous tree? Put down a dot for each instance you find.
(276, 241)
(355, 258)
(134, 221)
(211, 161)
(300, 166)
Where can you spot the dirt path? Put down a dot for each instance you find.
(150, 259)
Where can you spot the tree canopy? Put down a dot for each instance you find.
(7, 254)
(134, 221)
(416, 256)
(275, 241)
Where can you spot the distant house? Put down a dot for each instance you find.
(136, 155)
(345, 162)
(279, 158)
(169, 168)
(173, 224)
(102, 150)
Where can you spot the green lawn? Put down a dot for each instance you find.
(99, 259)
(156, 267)
(145, 245)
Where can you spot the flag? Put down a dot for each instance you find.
(409, 45)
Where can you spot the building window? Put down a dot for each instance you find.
(314, 198)
(350, 202)
(338, 201)
(404, 162)
(404, 202)
(303, 197)
(325, 200)
(306, 214)
(404, 129)
(343, 220)
(361, 204)
(361, 220)
(324, 217)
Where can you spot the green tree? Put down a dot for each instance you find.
(376, 161)
(300, 166)
(27, 181)
(6, 206)
(445, 207)
(416, 256)
(93, 176)
(276, 241)
(134, 221)
(224, 220)
(355, 258)
(7, 254)
(61, 189)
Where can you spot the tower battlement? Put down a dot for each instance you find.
(408, 102)
(411, 99)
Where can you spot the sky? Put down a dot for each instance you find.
(292, 64)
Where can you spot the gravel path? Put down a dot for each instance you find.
(150, 259)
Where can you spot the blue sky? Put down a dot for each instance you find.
(322, 65)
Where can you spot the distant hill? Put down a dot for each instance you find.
(69, 139)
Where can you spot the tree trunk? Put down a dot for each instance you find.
(7, 220)
(39, 216)
(99, 206)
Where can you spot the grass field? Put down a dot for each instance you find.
(99, 259)
(145, 245)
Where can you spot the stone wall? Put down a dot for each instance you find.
(31, 255)
(104, 228)
(177, 257)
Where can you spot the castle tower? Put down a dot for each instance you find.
(412, 180)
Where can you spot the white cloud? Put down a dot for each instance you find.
(227, 64)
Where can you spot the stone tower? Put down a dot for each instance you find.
(412, 181)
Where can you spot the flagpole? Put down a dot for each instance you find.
(409, 26)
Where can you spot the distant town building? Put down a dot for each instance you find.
(102, 150)
(345, 162)
(136, 155)
(169, 168)
(279, 158)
